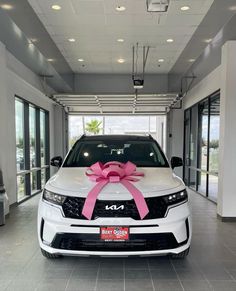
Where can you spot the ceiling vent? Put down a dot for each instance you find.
(157, 5)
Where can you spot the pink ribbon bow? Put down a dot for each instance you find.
(114, 172)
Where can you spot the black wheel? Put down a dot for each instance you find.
(181, 255)
(49, 256)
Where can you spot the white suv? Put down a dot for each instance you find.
(115, 226)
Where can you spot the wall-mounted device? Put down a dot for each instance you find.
(138, 83)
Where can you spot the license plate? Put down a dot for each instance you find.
(114, 233)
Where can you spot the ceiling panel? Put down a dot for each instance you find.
(96, 26)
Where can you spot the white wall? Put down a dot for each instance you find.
(175, 125)
(175, 121)
(206, 87)
(227, 158)
(12, 82)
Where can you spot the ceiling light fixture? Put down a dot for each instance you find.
(121, 61)
(56, 7)
(71, 39)
(208, 40)
(120, 8)
(6, 6)
(170, 40)
(80, 60)
(161, 60)
(50, 60)
(157, 5)
(120, 40)
(191, 60)
(185, 8)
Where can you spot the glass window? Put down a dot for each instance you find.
(202, 183)
(43, 177)
(34, 185)
(20, 149)
(142, 153)
(32, 146)
(202, 127)
(214, 135)
(213, 187)
(32, 134)
(42, 138)
(76, 128)
(203, 112)
(20, 187)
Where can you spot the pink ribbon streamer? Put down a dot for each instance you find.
(114, 172)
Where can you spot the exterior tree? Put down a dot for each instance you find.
(93, 126)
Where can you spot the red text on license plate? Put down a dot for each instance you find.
(114, 233)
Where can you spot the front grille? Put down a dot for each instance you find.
(73, 206)
(137, 242)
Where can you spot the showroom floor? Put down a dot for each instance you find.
(211, 264)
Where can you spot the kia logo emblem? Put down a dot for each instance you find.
(115, 207)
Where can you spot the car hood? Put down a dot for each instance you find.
(74, 182)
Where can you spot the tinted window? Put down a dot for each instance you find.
(142, 153)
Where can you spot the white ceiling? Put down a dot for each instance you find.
(96, 26)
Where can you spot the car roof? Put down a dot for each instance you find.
(121, 137)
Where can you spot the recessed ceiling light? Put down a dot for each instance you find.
(121, 61)
(185, 8)
(208, 40)
(161, 60)
(169, 40)
(120, 8)
(33, 40)
(80, 60)
(56, 7)
(71, 39)
(191, 60)
(50, 60)
(120, 40)
(6, 6)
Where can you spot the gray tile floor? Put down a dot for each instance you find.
(211, 264)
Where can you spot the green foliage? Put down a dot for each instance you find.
(214, 144)
(93, 126)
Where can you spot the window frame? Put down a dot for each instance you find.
(27, 172)
(197, 169)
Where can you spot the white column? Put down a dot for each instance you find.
(227, 158)
(3, 106)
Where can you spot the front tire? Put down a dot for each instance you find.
(48, 255)
(181, 255)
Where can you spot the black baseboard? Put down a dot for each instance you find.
(226, 219)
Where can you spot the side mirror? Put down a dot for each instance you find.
(176, 162)
(56, 161)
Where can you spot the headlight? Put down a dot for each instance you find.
(53, 197)
(176, 198)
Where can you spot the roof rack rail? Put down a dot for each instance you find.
(150, 136)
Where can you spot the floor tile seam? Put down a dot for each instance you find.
(177, 275)
(231, 276)
(96, 282)
(204, 276)
(149, 269)
(68, 280)
(124, 273)
(20, 271)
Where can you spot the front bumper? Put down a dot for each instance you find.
(60, 235)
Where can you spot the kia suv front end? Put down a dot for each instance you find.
(115, 227)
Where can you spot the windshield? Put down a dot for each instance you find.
(141, 153)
